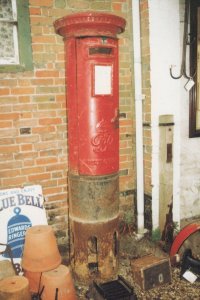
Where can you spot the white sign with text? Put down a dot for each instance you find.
(20, 208)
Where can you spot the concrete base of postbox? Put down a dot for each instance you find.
(151, 271)
(95, 254)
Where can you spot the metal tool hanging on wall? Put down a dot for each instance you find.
(186, 42)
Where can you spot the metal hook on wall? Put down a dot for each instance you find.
(186, 42)
(175, 77)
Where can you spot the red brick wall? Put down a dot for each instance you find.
(33, 131)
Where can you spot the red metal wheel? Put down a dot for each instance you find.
(182, 236)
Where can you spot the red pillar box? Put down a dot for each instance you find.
(92, 76)
(92, 91)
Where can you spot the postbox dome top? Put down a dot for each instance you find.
(90, 24)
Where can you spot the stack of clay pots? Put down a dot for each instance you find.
(12, 287)
(41, 263)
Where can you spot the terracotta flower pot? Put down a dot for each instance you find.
(57, 281)
(6, 269)
(34, 280)
(40, 249)
(14, 288)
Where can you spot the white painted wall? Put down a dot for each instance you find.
(169, 97)
(190, 163)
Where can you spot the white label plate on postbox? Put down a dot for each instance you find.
(102, 80)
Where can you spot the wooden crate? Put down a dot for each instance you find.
(150, 271)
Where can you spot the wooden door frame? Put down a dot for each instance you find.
(193, 131)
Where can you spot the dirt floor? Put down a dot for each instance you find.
(131, 249)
